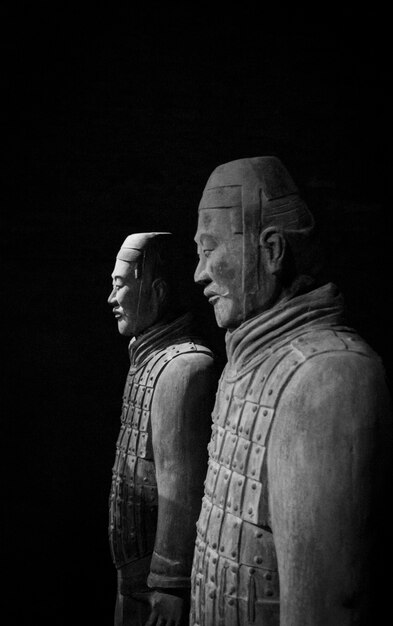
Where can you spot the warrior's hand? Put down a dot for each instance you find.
(166, 609)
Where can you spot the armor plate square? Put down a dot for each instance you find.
(224, 398)
(252, 501)
(255, 461)
(144, 421)
(132, 446)
(136, 417)
(218, 435)
(239, 462)
(247, 420)
(134, 391)
(221, 489)
(139, 395)
(211, 477)
(147, 397)
(214, 528)
(228, 448)
(230, 537)
(235, 490)
(233, 415)
(262, 425)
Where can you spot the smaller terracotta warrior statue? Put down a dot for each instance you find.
(161, 449)
(291, 518)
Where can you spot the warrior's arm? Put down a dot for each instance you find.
(325, 468)
(181, 425)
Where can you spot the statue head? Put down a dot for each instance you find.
(140, 282)
(254, 238)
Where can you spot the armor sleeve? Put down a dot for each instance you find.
(181, 427)
(327, 464)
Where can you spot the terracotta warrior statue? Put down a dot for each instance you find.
(289, 526)
(165, 426)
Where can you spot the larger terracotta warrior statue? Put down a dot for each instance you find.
(161, 449)
(288, 528)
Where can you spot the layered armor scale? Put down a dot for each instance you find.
(134, 497)
(235, 579)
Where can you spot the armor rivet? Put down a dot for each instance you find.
(250, 511)
(235, 525)
(233, 553)
(263, 379)
(222, 500)
(214, 471)
(198, 582)
(214, 561)
(229, 503)
(258, 559)
(235, 508)
(258, 535)
(212, 579)
(270, 392)
(241, 429)
(259, 436)
(253, 486)
(228, 460)
(241, 466)
(234, 425)
(227, 397)
(254, 408)
(233, 570)
(233, 439)
(268, 576)
(257, 451)
(226, 476)
(269, 592)
(214, 546)
(212, 594)
(234, 463)
(240, 482)
(252, 570)
(222, 548)
(247, 431)
(246, 446)
(231, 601)
(265, 412)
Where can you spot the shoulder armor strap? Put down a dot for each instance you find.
(318, 342)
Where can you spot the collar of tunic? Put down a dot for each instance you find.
(248, 343)
(158, 337)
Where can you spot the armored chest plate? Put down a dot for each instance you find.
(235, 577)
(133, 497)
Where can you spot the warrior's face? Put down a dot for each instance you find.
(133, 298)
(220, 265)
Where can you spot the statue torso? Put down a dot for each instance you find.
(235, 573)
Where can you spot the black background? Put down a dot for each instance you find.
(115, 121)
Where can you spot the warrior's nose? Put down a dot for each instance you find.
(201, 276)
(112, 298)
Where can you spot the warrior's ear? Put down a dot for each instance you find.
(160, 289)
(273, 246)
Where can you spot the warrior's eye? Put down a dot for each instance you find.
(207, 252)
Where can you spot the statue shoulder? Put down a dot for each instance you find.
(339, 380)
(186, 359)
